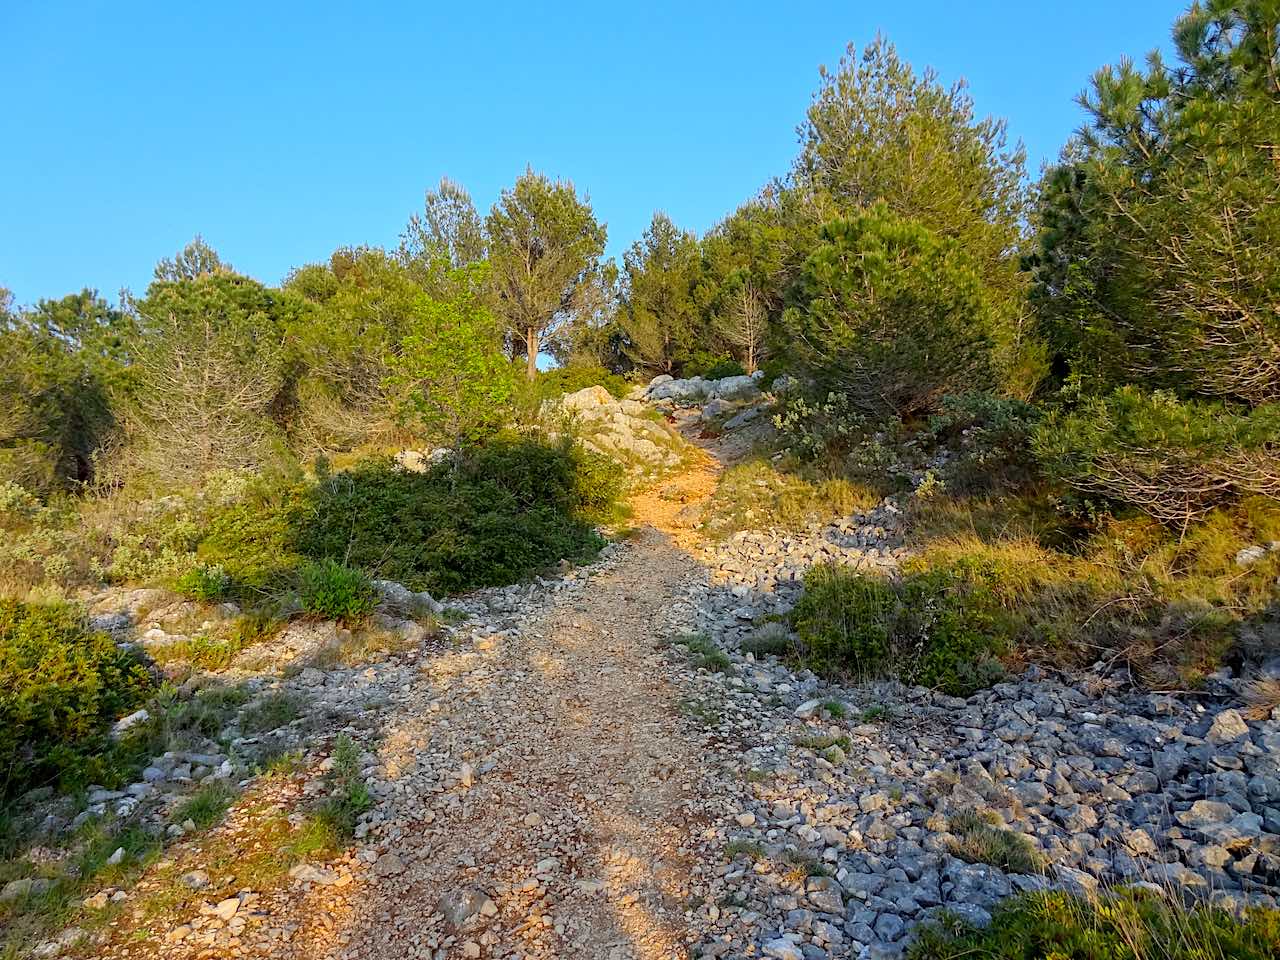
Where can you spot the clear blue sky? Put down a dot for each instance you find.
(282, 130)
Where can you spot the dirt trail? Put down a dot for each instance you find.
(539, 779)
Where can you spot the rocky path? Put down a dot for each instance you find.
(539, 793)
(559, 780)
(569, 794)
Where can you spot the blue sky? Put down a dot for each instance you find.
(281, 130)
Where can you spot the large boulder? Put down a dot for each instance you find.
(588, 398)
(682, 391)
(734, 388)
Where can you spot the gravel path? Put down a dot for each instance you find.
(539, 794)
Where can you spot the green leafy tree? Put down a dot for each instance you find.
(545, 246)
(1157, 261)
(363, 305)
(660, 315)
(196, 259)
(891, 314)
(452, 379)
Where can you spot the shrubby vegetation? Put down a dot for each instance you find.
(939, 627)
(61, 686)
(1126, 925)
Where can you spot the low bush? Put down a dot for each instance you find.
(336, 592)
(990, 437)
(941, 628)
(253, 540)
(703, 653)
(771, 640)
(1128, 925)
(1174, 459)
(711, 366)
(499, 514)
(204, 583)
(577, 375)
(61, 686)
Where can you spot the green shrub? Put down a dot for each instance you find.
(204, 583)
(61, 686)
(502, 512)
(577, 375)
(940, 628)
(846, 620)
(1128, 925)
(771, 640)
(892, 314)
(330, 590)
(991, 438)
(724, 368)
(711, 366)
(703, 653)
(253, 540)
(206, 806)
(1175, 459)
(348, 794)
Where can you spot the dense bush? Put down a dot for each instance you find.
(891, 314)
(204, 583)
(60, 688)
(330, 590)
(495, 516)
(1176, 460)
(254, 539)
(1128, 925)
(942, 628)
(990, 437)
(711, 367)
(577, 375)
(1159, 231)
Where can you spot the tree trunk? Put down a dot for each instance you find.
(531, 348)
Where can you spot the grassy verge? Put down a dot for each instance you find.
(1135, 925)
(759, 494)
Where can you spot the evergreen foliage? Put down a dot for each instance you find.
(893, 315)
(1156, 261)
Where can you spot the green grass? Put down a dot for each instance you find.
(703, 653)
(834, 707)
(1131, 925)
(29, 920)
(806, 864)
(979, 839)
(743, 848)
(206, 806)
(1168, 603)
(206, 651)
(760, 494)
(874, 713)
(333, 821)
(271, 712)
(817, 743)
